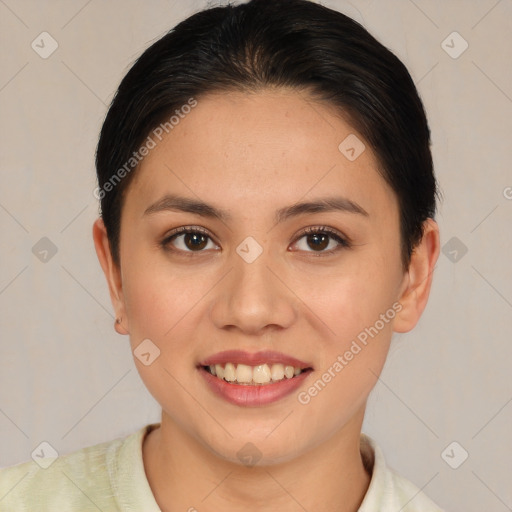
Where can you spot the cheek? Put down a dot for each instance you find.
(158, 303)
(353, 297)
(163, 308)
(156, 293)
(352, 358)
(358, 304)
(359, 312)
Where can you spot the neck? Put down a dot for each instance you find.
(185, 475)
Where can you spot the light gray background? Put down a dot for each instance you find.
(68, 378)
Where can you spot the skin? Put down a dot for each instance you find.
(251, 154)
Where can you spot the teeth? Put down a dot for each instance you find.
(260, 374)
(229, 372)
(243, 374)
(277, 372)
(219, 371)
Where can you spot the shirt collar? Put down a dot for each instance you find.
(127, 475)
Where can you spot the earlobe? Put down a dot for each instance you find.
(418, 280)
(112, 273)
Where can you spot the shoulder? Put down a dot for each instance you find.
(389, 491)
(79, 480)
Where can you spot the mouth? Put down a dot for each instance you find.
(253, 379)
(254, 369)
(259, 375)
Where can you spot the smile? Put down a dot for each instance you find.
(262, 374)
(253, 379)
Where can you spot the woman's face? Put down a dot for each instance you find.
(253, 281)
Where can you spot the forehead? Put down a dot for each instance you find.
(275, 145)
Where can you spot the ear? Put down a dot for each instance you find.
(418, 278)
(112, 273)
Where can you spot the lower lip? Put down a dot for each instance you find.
(253, 395)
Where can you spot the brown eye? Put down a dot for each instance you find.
(318, 241)
(321, 240)
(195, 241)
(188, 239)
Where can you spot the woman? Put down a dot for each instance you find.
(267, 222)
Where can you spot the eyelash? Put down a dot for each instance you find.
(343, 242)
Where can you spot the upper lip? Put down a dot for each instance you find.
(253, 359)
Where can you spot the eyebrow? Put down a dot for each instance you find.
(173, 202)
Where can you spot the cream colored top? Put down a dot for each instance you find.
(110, 477)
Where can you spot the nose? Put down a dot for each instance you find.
(252, 298)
